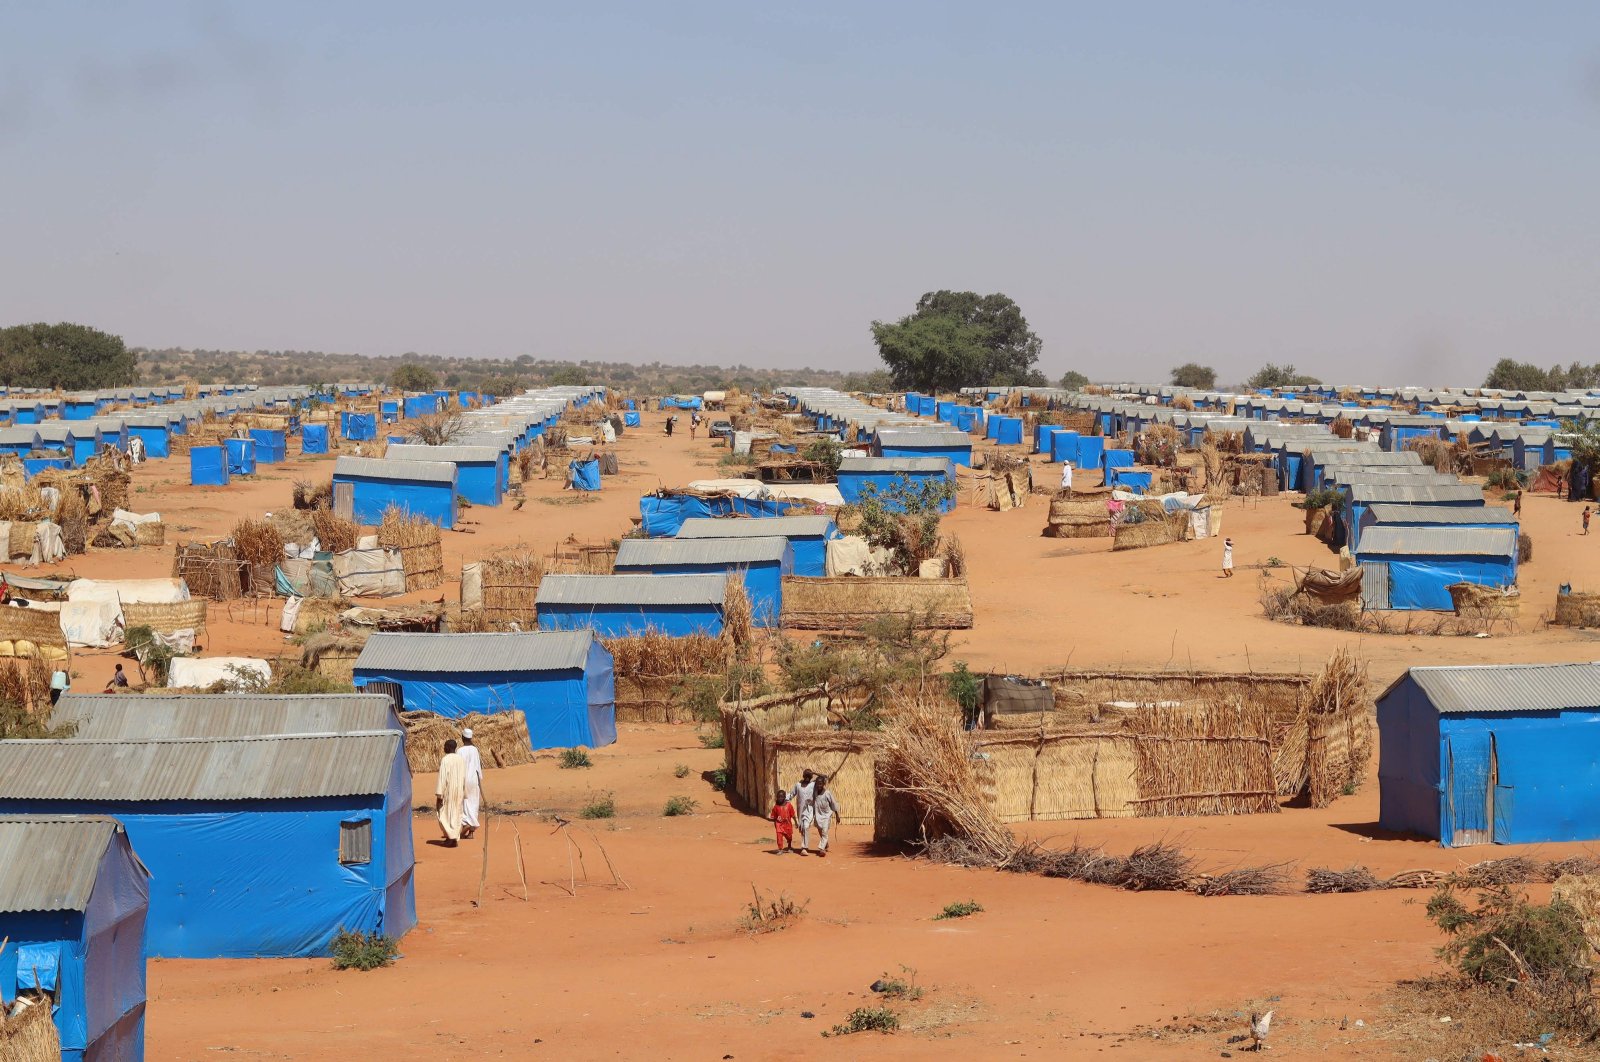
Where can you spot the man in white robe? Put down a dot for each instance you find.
(450, 792)
(474, 795)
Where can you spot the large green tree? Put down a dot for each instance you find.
(1270, 375)
(68, 356)
(413, 377)
(1073, 380)
(1193, 374)
(958, 339)
(1509, 375)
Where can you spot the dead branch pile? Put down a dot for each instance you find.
(1488, 874)
(1352, 879)
(313, 495)
(1268, 880)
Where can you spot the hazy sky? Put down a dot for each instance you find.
(1394, 192)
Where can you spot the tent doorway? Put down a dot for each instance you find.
(1471, 788)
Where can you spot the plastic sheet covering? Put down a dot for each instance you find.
(853, 555)
(291, 612)
(472, 585)
(630, 419)
(1330, 587)
(193, 672)
(585, 474)
(369, 573)
(241, 456)
(607, 432)
(140, 591)
(208, 466)
(314, 439)
(92, 624)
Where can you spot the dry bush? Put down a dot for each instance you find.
(73, 516)
(1351, 879)
(335, 533)
(768, 915)
(1269, 880)
(1287, 605)
(309, 495)
(1524, 547)
(437, 429)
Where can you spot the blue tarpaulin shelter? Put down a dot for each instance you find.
(83, 442)
(623, 606)
(155, 432)
(314, 439)
(585, 475)
(272, 447)
(480, 470)
(663, 513)
(208, 466)
(887, 476)
(561, 681)
(808, 536)
(389, 411)
(1110, 459)
(1412, 567)
(421, 405)
(241, 456)
(422, 488)
(257, 846)
(358, 427)
(630, 418)
(1137, 480)
(761, 563)
(18, 441)
(73, 902)
(953, 446)
(1492, 754)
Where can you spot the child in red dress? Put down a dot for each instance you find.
(783, 816)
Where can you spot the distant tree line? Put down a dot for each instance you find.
(65, 356)
(1509, 375)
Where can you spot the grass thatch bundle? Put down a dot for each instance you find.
(656, 655)
(848, 603)
(1342, 428)
(30, 1035)
(73, 516)
(1576, 608)
(738, 619)
(107, 474)
(1158, 445)
(1143, 524)
(927, 757)
(1339, 728)
(1212, 757)
(1524, 547)
(22, 503)
(313, 495)
(511, 587)
(260, 545)
(1351, 879)
(1078, 518)
(418, 542)
(294, 525)
(334, 532)
(501, 737)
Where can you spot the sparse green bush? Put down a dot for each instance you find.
(679, 805)
(767, 916)
(866, 1019)
(603, 807)
(681, 771)
(712, 740)
(363, 951)
(959, 909)
(574, 758)
(722, 779)
(903, 986)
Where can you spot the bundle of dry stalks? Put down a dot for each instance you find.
(1158, 445)
(657, 655)
(1269, 880)
(1342, 428)
(511, 587)
(21, 503)
(309, 495)
(335, 533)
(927, 756)
(260, 545)
(1338, 731)
(738, 621)
(73, 516)
(418, 542)
(30, 1035)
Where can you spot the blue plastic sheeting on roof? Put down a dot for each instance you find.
(663, 517)
(208, 466)
(435, 502)
(271, 446)
(1064, 446)
(585, 474)
(1137, 480)
(241, 456)
(32, 466)
(358, 427)
(780, 448)
(314, 439)
(682, 403)
(565, 708)
(157, 439)
(630, 418)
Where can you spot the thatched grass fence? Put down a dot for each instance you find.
(845, 603)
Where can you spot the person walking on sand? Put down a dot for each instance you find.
(1066, 477)
(824, 809)
(474, 791)
(1227, 558)
(1586, 512)
(671, 420)
(1516, 505)
(450, 792)
(800, 795)
(783, 822)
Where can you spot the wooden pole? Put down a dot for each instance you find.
(522, 868)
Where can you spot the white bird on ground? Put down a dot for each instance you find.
(1260, 1025)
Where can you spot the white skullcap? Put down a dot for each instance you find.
(467, 733)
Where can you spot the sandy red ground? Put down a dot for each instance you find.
(660, 969)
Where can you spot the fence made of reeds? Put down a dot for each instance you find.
(260, 545)
(511, 588)
(1146, 523)
(1210, 757)
(29, 632)
(846, 604)
(417, 540)
(1078, 518)
(1577, 608)
(1087, 695)
(211, 570)
(652, 671)
(501, 737)
(167, 618)
(335, 533)
(770, 741)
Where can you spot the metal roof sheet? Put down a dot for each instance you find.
(105, 717)
(633, 589)
(453, 454)
(924, 439)
(1394, 513)
(633, 552)
(50, 862)
(1420, 492)
(380, 468)
(13, 436)
(456, 653)
(894, 464)
(280, 767)
(1397, 540)
(1507, 687)
(697, 527)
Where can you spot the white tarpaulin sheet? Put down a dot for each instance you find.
(135, 591)
(853, 555)
(817, 493)
(91, 624)
(193, 672)
(369, 573)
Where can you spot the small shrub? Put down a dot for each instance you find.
(713, 740)
(1274, 562)
(681, 771)
(363, 951)
(722, 779)
(604, 807)
(959, 909)
(899, 987)
(679, 805)
(574, 758)
(768, 916)
(866, 1019)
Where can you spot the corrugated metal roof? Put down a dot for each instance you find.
(1393, 513)
(455, 653)
(697, 527)
(49, 862)
(1390, 540)
(281, 767)
(452, 454)
(25, 434)
(222, 715)
(632, 590)
(894, 464)
(634, 552)
(924, 439)
(379, 468)
(1421, 492)
(1507, 687)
